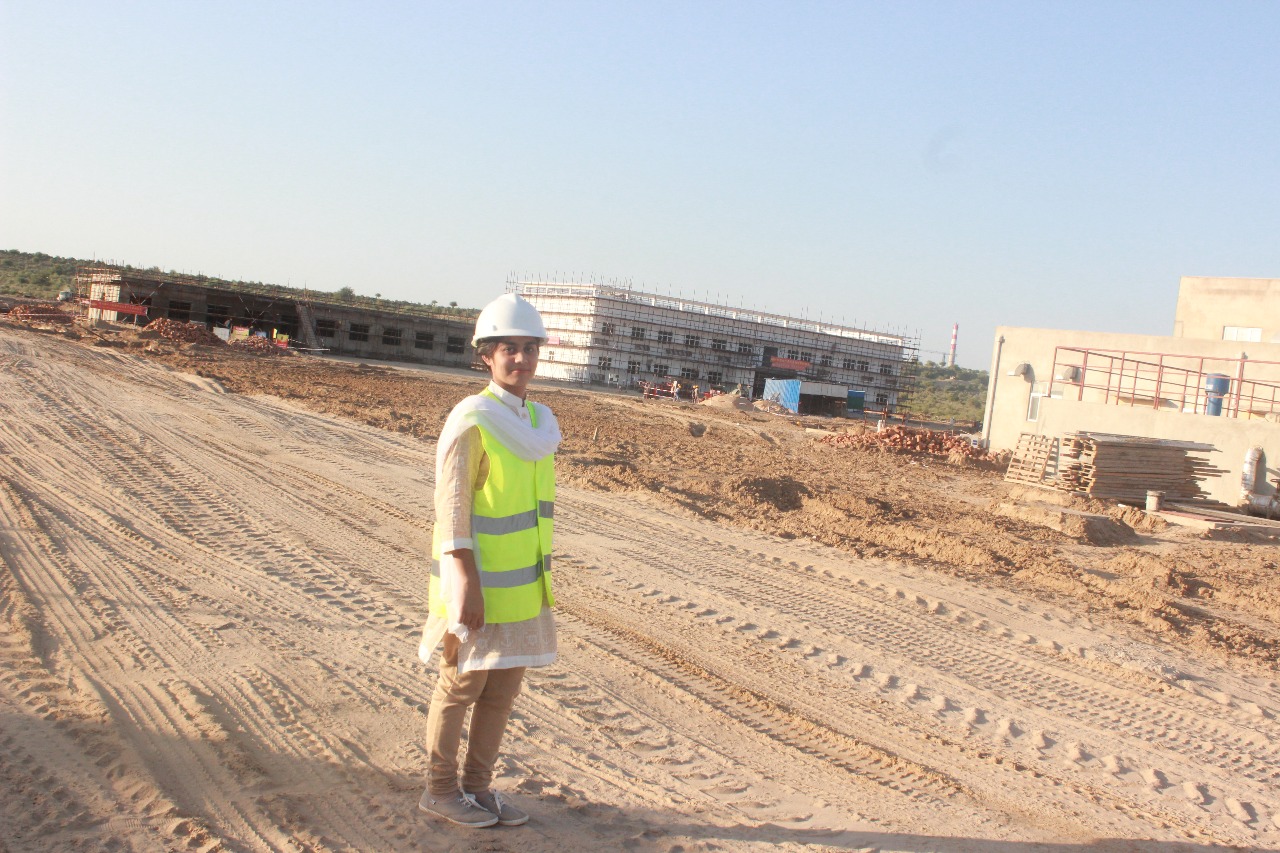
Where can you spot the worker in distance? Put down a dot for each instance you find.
(490, 588)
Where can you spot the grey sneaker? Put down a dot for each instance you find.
(506, 814)
(458, 808)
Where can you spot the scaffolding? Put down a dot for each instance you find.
(612, 335)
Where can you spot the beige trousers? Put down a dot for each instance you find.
(492, 692)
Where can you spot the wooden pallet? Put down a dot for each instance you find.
(1035, 460)
(1125, 468)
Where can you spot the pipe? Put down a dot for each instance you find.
(991, 402)
(1264, 505)
(1252, 502)
(1249, 476)
(1244, 356)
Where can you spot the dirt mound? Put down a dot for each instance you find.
(1094, 528)
(604, 474)
(728, 401)
(781, 493)
(770, 407)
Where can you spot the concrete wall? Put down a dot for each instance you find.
(1207, 306)
(395, 337)
(1010, 409)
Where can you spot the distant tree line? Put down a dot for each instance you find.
(35, 275)
(943, 392)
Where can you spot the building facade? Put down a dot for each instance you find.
(618, 336)
(1246, 310)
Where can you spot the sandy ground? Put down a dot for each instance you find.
(213, 581)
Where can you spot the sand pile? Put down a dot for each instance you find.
(771, 407)
(732, 402)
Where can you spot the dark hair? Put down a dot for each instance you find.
(485, 347)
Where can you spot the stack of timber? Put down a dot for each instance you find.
(1126, 467)
(1034, 460)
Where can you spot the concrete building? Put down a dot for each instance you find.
(619, 336)
(1228, 309)
(321, 322)
(1205, 384)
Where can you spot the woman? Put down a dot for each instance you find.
(490, 591)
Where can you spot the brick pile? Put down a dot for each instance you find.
(187, 333)
(908, 440)
(40, 312)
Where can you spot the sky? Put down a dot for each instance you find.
(898, 166)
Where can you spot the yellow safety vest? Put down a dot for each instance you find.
(511, 524)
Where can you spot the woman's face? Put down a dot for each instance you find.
(513, 363)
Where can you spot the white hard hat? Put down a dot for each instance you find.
(509, 316)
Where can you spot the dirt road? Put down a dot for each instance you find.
(210, 605)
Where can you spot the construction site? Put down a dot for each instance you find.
(776, 632)
(622, 337)
(601, 334)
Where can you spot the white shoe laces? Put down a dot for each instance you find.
(471, 798)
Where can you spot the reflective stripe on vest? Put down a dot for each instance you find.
(505, 579)
(503, 525)
(511, 525)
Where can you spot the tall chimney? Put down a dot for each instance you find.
(951, 356)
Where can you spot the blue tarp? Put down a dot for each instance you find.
(785, 392)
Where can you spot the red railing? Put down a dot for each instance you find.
(1167, 381)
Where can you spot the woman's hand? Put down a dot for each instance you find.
(470, 593)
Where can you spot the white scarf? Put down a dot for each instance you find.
(516, 434)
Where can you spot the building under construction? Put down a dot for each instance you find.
(316, 321)
(619, 336)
